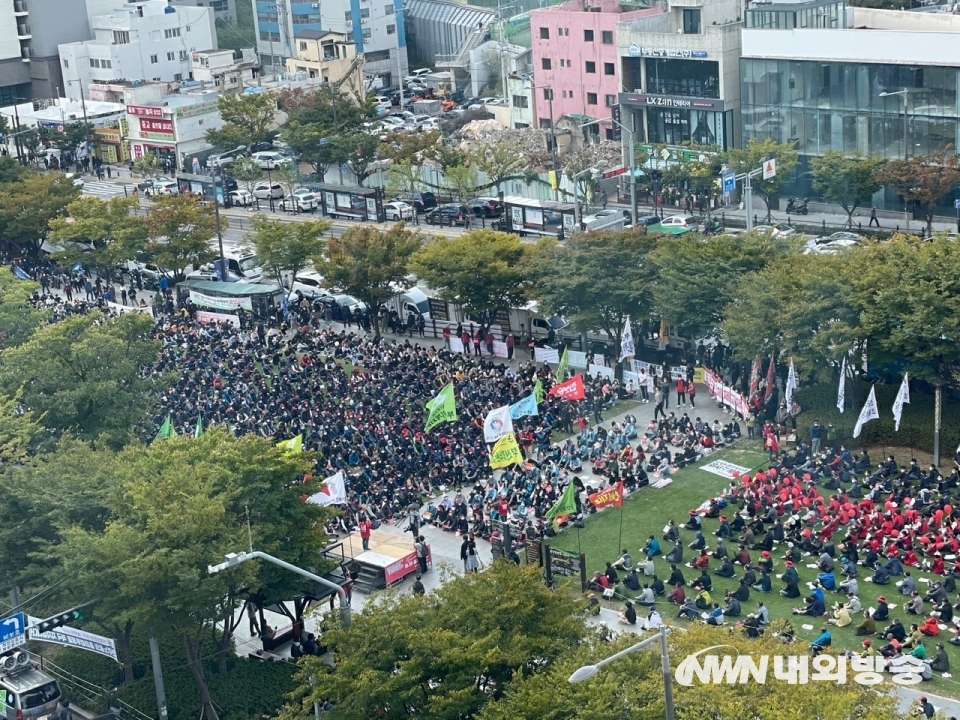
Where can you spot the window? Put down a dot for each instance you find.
(547, 65)
(609, 69)
(303, 46)
(121, 37)
(364, 13)
(94, 62)
(591, 98)
(270, 36)
(232, 81)
(520, 101)
(171, 56)
(544, 33)
(388, 9)
(591, 67)
(262, 17)
(66, 63)
(366, 33)
(545, 124)
(548, 93)
(178, 76)
(376, 55)
(171, 33)
(588, 35)
(306, 19)
(606, 37)
(106, 63)
(211, 5)
(154, 59)
(348, 16)
(391, 29)
(691, 22)
(609, 100)
(183, 56)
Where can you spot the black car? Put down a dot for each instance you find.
(448, 214)
(423, 201)
(259, 147)
(486, 207)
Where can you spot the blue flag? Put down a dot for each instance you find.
(77, 268)
(21, 273)
(527, 406)
(285, 307)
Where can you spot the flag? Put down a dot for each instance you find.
(664, 331)
(293, 445)
(333, 492)
(903, 396)
(791, 384)
(285, 307)
(562, 367)
(524, 408)
(771, 379)
(572, 389)
(566, 505)
(842, 390)
(497, 424)
(166, 431)
(198, 430)
(868, 413)
(755, 377)
(612, 495)
(627, 350)
(443, 408)
(538, 391)
(77, 268)
(21, 273)
(506, 452)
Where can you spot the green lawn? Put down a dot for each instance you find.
(647, 511)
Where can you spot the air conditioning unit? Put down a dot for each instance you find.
(315, 6)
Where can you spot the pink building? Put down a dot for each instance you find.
(575, 53)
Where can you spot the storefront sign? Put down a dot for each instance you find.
(672, 101)
(156, 136)
(200, 108)
(145, 111)
(156, 126)
(638, 51)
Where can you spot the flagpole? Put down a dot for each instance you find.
(620, 539)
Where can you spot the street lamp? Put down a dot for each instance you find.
(232, 559)
(553, 140)
(588, 671)
(631, 162)
(576, 193)
(904, 95)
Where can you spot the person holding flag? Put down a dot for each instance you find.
(443, 408)
(566, 505)
(562, 367)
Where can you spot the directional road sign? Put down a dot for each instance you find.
(13, 632)
(729, 182)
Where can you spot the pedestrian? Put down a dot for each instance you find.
(873, 217)
(418, 588)
(109, 172)
(658, 404)
(123, 295)
(422, 551)
(67, 714)
(254, 626)
(510, 344)
(681, 391)
(692, 393)
(816, 432)
(364, 527)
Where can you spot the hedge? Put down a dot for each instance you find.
(819, 402)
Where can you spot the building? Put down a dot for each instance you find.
(172, 126)
(445, 33)
(815, 74)
(376, 27)
(680, 73)
(103, 116)
(147, 40)
(226, 70)
(575, 55)
(330, 57)
(225, 10)
(30, 33)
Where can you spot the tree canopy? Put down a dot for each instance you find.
(286, 248)
(742, 160)
(924, 179)
(848, 181)
(247, 118)
(180, 228)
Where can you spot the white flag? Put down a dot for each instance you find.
(497, 424)
(791, 385)
(903, 396)
(627, 350)
(841, 393)
(868, 413)
(333, 492)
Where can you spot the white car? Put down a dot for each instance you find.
(382, 101)
(416, 75)
(301, 199)
(309, 284)
(392, 120)
(269, 159)
(266, 191)
(779, 231)
(243, 198)
(398, 210)
(163, 187)
(686, 222)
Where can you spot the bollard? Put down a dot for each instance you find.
(898, 229)
(723, 219)
(824, 225)
(859, 227)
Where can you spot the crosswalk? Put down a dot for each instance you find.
(104, 189)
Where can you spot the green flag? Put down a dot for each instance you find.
(566, 505)
(198, 430)
(538, 392)
(166, 430)
(562, 367)
(442, 408)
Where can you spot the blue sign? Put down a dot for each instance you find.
(13, 631)
(956, 204)
(729, 182)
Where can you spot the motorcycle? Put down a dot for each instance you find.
(795, 208)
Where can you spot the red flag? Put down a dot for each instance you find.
(755, 378)
(612, 495)
(771, 379)
(572, 389)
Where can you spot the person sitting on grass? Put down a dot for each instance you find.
(823, 642)
(813, 608)
(646, 566)
(652, 548)
(704, 582)
(716, 616)
(867, 627)
(930, 626)
(841, 616)
(880, 576)
(645, 597)
(726, 569)
(678, 595)
(629, 615)
(764, 584)
(689, 609)
(914, 605)
(827, 579)
(699, 542)
(676, 576)
(701, 562)
(731, 606)
(882, 613)
(703, 600)
(742, 593)
(675, 554)
(631, 580)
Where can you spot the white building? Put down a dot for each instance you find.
(226, 70)
(148, 40)
(171, 127)
(225, 10)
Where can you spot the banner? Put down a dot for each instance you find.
(546, 355)
(117, 307)
(903, 396)
(205, 317)
(577, 359)
(791, 384)
(75, 638)
(506, 452)
(698, 375)
(603, 370)
(677, 372)
(563, 365)
(612, 495)
(524, 408)
(842, 390)
(220, 303)
(167, 430)
(499, 349)
(755, 377)
(771, 379)
(443, 408)
(868, 413)
(497, 424)
(627, 349)
(538, 391)
(725, 395)
(598, 359)
(572, 389)
(664, 331)
(333, 492)
(641, 367)
(456, 345)
(293, 445)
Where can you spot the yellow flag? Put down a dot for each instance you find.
(664, 332)
(505, 452)
(553, 179)
(293, 445)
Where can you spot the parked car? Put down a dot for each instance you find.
(260, 147)
(486, 207)
(208, 273)
(243, 198)
(423, 201)
(678, 224)
(269, 159)
(159, 186)
(392, 122)
(416, 75)
(650, 222)
(398, 210)
(606, 218)
(830, 244)
(301, 199)
(448, 214)
(780, 230)
(309, 284)
(265, 191)
(227, 158)
(342, 306)
(382, 101)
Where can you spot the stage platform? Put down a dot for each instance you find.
(389, 560)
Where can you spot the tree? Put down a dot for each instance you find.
(402, 179)
(147, 165)
(445, 655)
(285, 248)
(247, 119)
(83, 374)
(500, 161)
(10, 170)
(412, 147)
(109, 225)
(697, 277)
(180, 228)
(923, 179)
(288, 174)
(848, 181)
(748, 159)
(595, 280)
(480, 270)
(370, 264)
(358, 150)
(246, 170)
(460, 181)
(69, 139)
(28, 206)
(18, 317)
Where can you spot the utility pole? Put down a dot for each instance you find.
(158, 678)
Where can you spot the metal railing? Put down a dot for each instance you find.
(91, 696)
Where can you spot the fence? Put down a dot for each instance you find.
(91, 697)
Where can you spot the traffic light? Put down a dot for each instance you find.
(58, 620)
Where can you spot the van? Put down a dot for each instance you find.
(26, 691)
(244, 264)
(412, 300)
